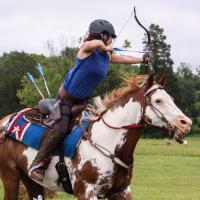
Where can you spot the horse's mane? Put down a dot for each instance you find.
(130, 85)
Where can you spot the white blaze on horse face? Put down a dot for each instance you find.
(164, 103)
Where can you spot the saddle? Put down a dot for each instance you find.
(50, 108)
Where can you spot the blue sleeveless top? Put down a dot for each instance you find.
(87, 73)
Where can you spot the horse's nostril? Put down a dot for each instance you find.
(183, 122)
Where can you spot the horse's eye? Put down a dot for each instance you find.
(158, 101)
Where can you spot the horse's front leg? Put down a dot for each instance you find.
(84, 191)
(123, 195)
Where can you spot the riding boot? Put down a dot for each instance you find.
(41, 161)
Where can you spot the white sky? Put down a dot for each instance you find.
(28, 24)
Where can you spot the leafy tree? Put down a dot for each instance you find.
(70, 53)
(190, 95)
(126, 44)
(187, 84)
(197, 107)
(13, 67)
(55, 69)
(161, 61)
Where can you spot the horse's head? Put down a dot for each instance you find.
(161, 111)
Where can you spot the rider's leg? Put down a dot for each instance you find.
(41, 161)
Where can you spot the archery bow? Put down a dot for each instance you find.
(148, 38)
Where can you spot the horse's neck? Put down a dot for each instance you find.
(115, 139)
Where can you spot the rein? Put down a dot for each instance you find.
(131, 126)
(103, 150)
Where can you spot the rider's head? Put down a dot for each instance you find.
(100, 28)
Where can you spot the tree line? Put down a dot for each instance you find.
(18, 92)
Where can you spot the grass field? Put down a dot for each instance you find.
(163, 172)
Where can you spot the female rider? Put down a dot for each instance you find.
(90, 69)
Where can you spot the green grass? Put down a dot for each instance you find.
(167, 172)
(163, 172)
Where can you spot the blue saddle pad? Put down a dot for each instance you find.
(30, 134)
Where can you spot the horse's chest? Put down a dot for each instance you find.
(102, 174)
(103, 182)
(95, 171)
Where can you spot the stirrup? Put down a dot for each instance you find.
(37, 172)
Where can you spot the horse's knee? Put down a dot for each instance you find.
(124, 195)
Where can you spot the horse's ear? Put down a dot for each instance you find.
(149, 82)
(162, 80)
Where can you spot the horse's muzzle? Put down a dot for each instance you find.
(179, 137)
(182, 126)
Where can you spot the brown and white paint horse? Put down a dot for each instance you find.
(103, 169)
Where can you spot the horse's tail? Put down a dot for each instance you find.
(1, 126)
(4, 121)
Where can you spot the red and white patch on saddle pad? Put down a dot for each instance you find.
(13, 127)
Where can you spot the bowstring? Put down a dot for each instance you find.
(123, 27)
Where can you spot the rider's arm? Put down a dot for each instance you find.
(89, 46)
(124, 59)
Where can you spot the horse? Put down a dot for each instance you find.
(103, 164)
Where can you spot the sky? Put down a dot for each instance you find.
(27, 25)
